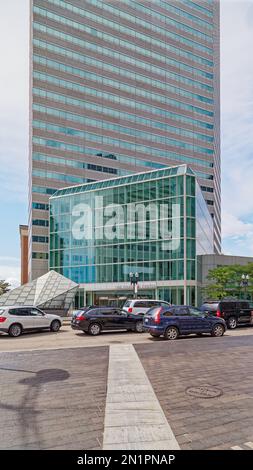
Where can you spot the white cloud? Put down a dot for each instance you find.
(13, 281)
(237, 236)
(14, 83)
(235, 228)
(10, 270)
(237, 125)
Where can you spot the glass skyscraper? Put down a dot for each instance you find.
(153, 223)
(119, 87)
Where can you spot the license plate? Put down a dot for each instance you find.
(146, 320)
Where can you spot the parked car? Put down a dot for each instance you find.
(15, 320)
(141, 306)
(98, 319)
(84, 309)
(181, 320)
(234, 312)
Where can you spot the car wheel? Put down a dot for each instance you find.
(171, 333)
(55, 326)
(218, 330)
(94, 329)
(15, 330)
(139, 327)
(232, 323)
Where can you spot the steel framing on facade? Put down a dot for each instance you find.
(118, 88)
(154, 223)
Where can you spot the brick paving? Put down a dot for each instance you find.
(53, 399)
(56, 398)
(225, 363)
(68, 338)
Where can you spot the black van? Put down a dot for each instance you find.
(234, 312)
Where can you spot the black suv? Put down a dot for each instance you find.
(96, 319)
(234, 312)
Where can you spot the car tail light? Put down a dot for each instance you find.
(130, 310)
(81, 316)
(157, 317)
(2, 319)
(218, 313)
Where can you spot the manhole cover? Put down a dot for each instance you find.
(205, 391)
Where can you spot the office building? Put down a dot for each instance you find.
(117, 88)
(154, 224)
(23, 234)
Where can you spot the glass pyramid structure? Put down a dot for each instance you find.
(52, 291)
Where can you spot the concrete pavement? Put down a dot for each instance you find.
(134, 418)
(63, 397)
(68, 338)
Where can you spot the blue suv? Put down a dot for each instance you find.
(181, 320)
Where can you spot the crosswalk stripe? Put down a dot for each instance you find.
(134, 418)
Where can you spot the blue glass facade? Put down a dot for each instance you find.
(119, 88)
(153, 223)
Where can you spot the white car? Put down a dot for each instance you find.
(16, 319)
(141, 306)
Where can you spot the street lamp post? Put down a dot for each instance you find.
(134, 277)
(245, 283)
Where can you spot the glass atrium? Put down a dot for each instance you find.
(153, 223)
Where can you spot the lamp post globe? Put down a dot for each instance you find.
(245, 283)
(134, 281)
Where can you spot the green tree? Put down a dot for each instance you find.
(4, 287)
(225, 281)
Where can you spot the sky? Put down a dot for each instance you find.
(236, 129)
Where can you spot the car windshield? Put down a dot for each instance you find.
(211, 307)
(82, 310)
(196, 312)
(152, 311)
(127, 303)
